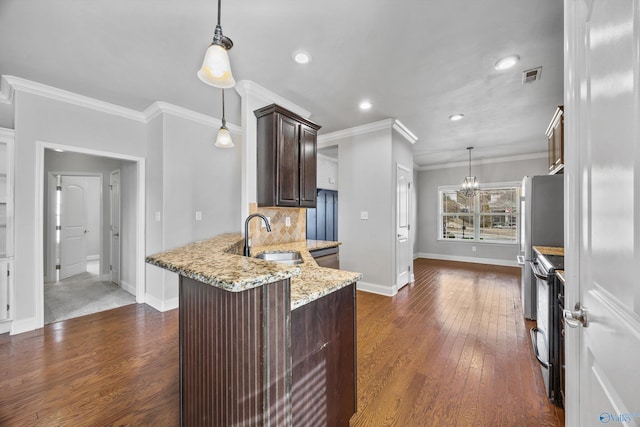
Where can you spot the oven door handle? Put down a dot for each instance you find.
(537, 272)
(534, 339)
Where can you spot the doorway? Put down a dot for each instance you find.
(78, 237)
(404, 258)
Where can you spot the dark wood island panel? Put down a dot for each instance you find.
(235, 365)
(324, 360)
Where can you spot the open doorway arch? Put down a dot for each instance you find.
(139, 264)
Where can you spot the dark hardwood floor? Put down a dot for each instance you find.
(451, 349)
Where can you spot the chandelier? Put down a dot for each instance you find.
(470, 184)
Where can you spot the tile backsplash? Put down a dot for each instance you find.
(280, 233)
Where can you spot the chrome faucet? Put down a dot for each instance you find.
(247, 252)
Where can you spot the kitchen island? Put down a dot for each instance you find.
(263, 343)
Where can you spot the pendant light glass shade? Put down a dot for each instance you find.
(470, 185)
(216, 68)
(223, 140)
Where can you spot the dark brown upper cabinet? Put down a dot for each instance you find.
(287, 148)
(555, 138)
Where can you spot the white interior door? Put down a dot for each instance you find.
(603, 210)
(114, 186)
(73, 226)
(404, 260)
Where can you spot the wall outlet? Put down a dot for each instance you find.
(473, 248)
(198, 216)
(287, 221)
(364, 215)
(158, 217)
(263, 225)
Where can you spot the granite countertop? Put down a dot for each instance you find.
(314, 281)
(549, 250)
(219, 262)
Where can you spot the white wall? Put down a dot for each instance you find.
(6, 115)
(196, 177)
(39, 118)
(190, 175)
(128, 224)
(366, 183)
(428, 245)
(327, 173)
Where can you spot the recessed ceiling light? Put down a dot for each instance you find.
(365, 105)
(456, 117)
(301, 57)
(506, 62)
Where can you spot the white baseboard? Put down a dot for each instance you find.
(128, 287)
(24, 325)
(161, 305)
(475, 260)
(5, 326)
(375, 288)
(93, 257)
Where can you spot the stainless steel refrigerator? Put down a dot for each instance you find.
(541, 224)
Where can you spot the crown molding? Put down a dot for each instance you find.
(248, 88)
(28, 86)
(505, 159)
(6, 91)
(325, 139)
(404, 131)
(160, 107)
(10, 84)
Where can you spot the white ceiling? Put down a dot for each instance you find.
(417, 60)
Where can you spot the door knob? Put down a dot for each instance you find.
(579, 316)
(116, 235)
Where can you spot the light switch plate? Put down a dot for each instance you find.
(287, 221)
(198, 216)
(364, 215)
(158, 217)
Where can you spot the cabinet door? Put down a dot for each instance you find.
(308, 138)
(558, 144)
(287, 162)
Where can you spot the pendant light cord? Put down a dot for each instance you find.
(223, 120)
(219, 1)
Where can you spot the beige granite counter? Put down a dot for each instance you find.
(314, 281)
(549, 250)
(219, 262)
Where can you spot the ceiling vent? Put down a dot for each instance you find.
(532, 75)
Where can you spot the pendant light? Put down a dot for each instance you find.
(216, 68)
(470, 184)
(223, 140)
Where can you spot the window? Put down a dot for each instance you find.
(491, 216)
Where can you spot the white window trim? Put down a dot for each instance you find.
(476, 215)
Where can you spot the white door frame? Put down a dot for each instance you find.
(50, 228)
(39, 215)
(112, 261)
(395, 227)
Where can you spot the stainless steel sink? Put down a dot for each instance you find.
(289, 257)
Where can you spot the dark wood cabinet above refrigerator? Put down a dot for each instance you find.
(555, 138)
(287, 151)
